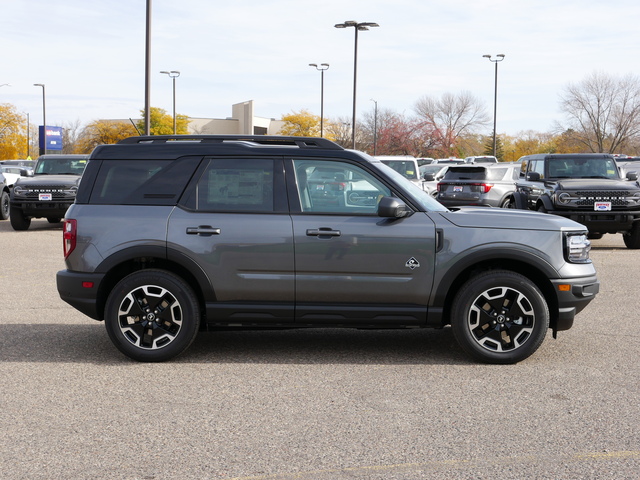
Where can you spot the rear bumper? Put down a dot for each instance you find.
(80, 290)
(573, 296)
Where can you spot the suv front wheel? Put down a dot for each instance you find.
(152, 315)
(499, 317)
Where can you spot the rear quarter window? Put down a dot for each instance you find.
(142, 182)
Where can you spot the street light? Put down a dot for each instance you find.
(322, 67)
(173, 74)
(44, 120)
(375, 127)
(357, 27)
(498, 59)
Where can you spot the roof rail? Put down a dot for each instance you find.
(262, 140)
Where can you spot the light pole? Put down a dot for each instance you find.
(322, 67)
(357, 27)
(498, 59)
(173, 74)
(375, 127)
(44, 120)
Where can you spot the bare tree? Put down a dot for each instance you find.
(604, 111)
(452, 116)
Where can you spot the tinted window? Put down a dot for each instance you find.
(142, 182)
(454, 173)
(236, 185)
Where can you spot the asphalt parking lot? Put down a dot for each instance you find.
(313, 404)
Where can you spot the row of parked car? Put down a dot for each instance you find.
(598, 190)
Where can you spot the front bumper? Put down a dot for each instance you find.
(80, 290)
(42, 209)
(573, 296)
(602, 222)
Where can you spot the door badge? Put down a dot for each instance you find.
(412, 263)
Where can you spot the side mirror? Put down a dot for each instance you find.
(533, 177)
(391, 207)
(429, 177)
(632, 175)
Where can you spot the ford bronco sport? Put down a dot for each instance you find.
(172, 234)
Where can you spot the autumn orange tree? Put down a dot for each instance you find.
(101, 132)
(13, 137)
(304, 124)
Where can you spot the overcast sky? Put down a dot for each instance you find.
(91, 55)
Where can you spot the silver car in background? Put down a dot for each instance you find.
(490, 185)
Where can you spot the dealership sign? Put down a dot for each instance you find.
(53, 138)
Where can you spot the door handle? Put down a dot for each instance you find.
(323, 232)
(203, 230)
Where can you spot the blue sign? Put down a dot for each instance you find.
(53, 138)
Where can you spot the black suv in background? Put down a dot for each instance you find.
(587, 188)
(172, 234)
(49, 192)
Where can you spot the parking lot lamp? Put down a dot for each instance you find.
(173, 74)
(44, 120)
(498, 59)
(322, 67)
(375, 127)
(357, 27)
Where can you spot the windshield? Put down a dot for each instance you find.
(407, 168)
(60, 166)
(582, 168)
(421, 197)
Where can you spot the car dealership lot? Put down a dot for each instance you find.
(316, 404)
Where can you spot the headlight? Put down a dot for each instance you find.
(71, 190)
(564, 198)
(20, 190)
(577, 248)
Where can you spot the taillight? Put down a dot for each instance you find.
(484, 187)
(69, 236)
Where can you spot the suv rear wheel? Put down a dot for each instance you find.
(499, 317)
(152, 315)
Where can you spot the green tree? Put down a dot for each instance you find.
(488, 148)
(13, 133)
(162, 122)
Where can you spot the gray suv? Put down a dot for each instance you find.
(173, 234)
(489, 185)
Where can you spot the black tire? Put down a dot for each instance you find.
(541, 208)
(508, 202)
(632, 237)
(4, 205)
(18, 220)
(499, 317)
(54, 219)
(152, 315)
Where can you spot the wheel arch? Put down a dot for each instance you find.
(136, 259)
(538, 272)
(546, 202)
